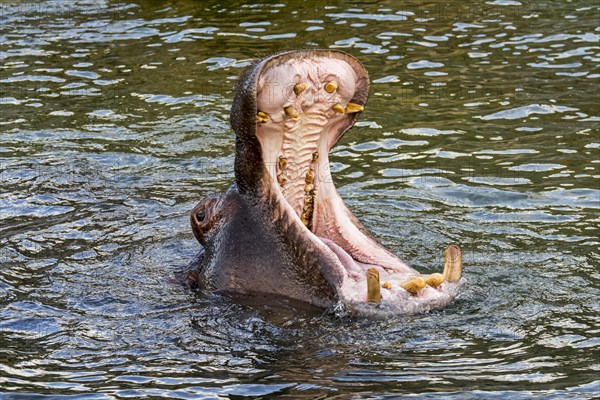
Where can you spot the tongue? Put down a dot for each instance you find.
(354, 270)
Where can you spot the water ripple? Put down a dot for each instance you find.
(480, 130)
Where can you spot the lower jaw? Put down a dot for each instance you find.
(393, 290)
(374, 286)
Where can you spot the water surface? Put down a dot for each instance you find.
(481, 129)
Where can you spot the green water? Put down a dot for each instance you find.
(481, 129)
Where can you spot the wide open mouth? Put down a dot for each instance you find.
(305, 103)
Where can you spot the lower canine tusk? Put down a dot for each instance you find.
(373, 289)
(413, 285)
(453, 263)
(434, 280)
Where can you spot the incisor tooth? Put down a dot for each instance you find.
(373, 289)
(413, 285)
(338, 108)
(309, 187)
(434, 280)
(331, 86)
(299, 88)
(315, 156)
(291, 112)
(353, 108)
(453, 263)
(386, 285)
(262, 117)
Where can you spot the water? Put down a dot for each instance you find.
(481, 129)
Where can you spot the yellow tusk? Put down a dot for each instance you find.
(413, 285)
(373, 290)
(434, 280)
(299, 88)
(353, 108)
(291, 112)
(331, 86)
(262, 117)
(338, 108)
(453, 263)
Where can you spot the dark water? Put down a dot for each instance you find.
(481, 129)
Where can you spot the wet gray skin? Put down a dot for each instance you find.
(281, 227)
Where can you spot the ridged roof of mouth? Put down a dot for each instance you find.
(304, 105)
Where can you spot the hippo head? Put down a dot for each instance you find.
(282, 226)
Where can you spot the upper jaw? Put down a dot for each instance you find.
(279, 92)
(305, 102)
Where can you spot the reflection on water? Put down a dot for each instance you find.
(481, 129)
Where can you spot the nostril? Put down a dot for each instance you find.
(200, 215)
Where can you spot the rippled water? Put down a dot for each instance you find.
(481, 129)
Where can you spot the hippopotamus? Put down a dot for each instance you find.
(282, 228)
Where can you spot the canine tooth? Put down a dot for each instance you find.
(373, 289)
(315, 156)
(282, 162)
(453, 263)
(434, 280)
(413, 285)
(291, 112)
(338, 108)
(299, 88)
(262, 117)
(331, 86)
(386, 285)
(353, 108)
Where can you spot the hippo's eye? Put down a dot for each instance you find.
(200, 215)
